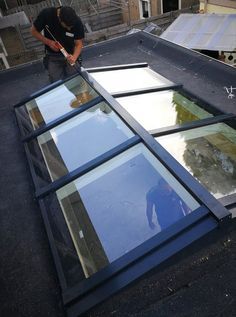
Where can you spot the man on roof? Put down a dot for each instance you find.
(167, 204)
(63, 29)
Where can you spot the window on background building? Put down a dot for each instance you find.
(170, 5)
(144, 9)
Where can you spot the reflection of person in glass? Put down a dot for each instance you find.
(169, 207)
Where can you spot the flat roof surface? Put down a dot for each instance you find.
(203, 76)
(216, 32)
(30, 285)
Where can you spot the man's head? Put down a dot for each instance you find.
(166, 188)
(67, 17)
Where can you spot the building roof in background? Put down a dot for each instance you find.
(15, 19)
(215, 32)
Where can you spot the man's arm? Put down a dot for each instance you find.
(52, 44)
(149, 213)
(186, 210)
(77, 50)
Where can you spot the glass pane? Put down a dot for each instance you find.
(119, 205)
(161, 109)
(130, 79)
(57, 102)
(209, 154)
(80, 139)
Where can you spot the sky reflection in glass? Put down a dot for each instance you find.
(162, 109)
(106, 209)
(129, 79)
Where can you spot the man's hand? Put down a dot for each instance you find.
(152, 225)
(71, 59)
(53, 45)
(46, 41)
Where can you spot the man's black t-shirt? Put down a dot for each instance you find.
(66, 38)
(169, 207)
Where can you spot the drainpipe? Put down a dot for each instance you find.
(5, 62)
(5, 2)
(205, 6)
(129, 18)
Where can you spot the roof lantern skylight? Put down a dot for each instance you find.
(115, 202)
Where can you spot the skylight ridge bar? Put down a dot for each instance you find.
(64, 180)
(155, 242)
(116, 67)
(177, 170)
(146, 90)
(62, 119)
(191, 125)
(228, 200)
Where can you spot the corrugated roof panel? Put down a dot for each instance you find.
(203, 31)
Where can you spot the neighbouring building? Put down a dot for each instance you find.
(141, 9)
(218, 6)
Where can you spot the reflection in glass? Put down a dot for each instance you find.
(129, 79)
(162, 109)
(59, 101)
(65, 247)
(81, 139)
(209, 154)
(108, 210)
